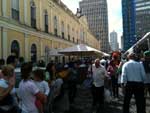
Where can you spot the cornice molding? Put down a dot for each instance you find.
(6, 23)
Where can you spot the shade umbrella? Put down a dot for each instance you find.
(81, 50)
(106, 54)
(54, 52)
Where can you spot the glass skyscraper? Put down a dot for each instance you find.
(142, 17)
(136, 20)
(128, 13)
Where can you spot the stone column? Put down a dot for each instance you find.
(4, 43)
(26, 49)
(4, 8)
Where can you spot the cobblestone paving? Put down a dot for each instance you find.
(83, 104)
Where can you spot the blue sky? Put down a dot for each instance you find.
(114, 13)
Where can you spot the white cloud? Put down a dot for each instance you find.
(72, 4)
(114, 14)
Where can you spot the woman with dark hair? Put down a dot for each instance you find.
(39, 81)
(112, 72)
(28, 91)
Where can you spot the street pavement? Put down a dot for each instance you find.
(83, 104)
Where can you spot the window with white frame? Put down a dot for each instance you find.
(55, 26)
(33, 14)
(15, 9)
(62, 29)
(46, 21)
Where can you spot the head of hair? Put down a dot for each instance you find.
(97, 60)
(8, 70)
(132, 56)
(49, 67)
(11, 59)
(26, 69)
(2, 61)
(112, 63)
(39, 73)
(21, 60)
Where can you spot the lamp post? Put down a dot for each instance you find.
(148, 43)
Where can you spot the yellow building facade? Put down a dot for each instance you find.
(31, 28)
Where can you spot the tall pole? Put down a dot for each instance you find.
(148, 43)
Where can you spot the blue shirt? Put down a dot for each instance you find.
(3, 83)
(133, 71)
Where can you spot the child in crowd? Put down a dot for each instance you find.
(43, 87)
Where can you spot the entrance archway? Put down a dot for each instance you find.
(15, 48)
(33, 53)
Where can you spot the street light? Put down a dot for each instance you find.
(148, 43)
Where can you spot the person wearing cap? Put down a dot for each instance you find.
(103, 62)
(146, 64)
(132, 78)
(99, 73)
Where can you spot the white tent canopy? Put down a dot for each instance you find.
(54, 52)
(81, 50)
(106, 54)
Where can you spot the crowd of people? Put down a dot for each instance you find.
(40, 88)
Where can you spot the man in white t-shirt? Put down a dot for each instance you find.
(27, 91)
(98, 73)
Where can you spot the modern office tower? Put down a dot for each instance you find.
(113, 41)
(142, 8)
(128, 13)
(97, 17)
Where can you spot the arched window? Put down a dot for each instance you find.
(33, 53)
(46, 21)
(15, 48)
(55, 25)
(33, 14)
(62, 29)
(15, 9)
(73, 34)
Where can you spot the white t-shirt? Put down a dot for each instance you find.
(98, 75)
(43, 87)
(26, 92)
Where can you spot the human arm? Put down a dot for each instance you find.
(124, 75)
(143, 74)
(5, 91)
(46, 88)
(34, 90)
(41, 97)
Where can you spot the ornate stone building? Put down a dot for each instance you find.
(30, 28)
